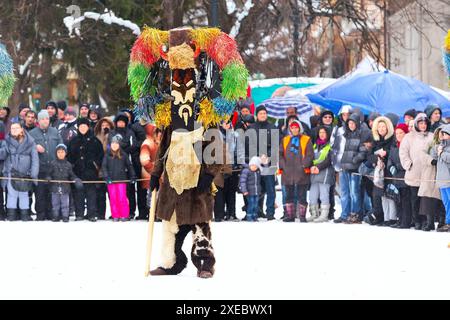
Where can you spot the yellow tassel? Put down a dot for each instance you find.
(208, 117)
(154, 39)
(163, 116)
(181, 57)
(204, 36)
(447, 42)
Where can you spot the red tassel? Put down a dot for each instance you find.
(142, 53)
(223, 50)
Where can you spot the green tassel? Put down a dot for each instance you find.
(6, 87)
(235, 81)
(137, 76)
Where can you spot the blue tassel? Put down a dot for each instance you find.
(6, 63)
(223, 107)
(145, 108)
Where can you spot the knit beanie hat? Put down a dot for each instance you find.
(260, 108)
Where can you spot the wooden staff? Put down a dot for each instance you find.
(151, 223)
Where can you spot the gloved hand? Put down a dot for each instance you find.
(132, 181)
(204, 183)
(78, 184)
(154, 183)
(433, 162)
(108, 181)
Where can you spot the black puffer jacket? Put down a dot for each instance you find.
(85, 152)
(264, 146)
(354, 151)
(61, 170)
(116, 169)
(394, 167)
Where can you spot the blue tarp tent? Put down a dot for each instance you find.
(383, 92)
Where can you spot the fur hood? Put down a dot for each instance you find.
(390, 128)
(98, 126)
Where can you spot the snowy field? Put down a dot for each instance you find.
(263, 260)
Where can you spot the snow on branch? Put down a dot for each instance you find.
(24, 67)
(73, 24)
(240, 16)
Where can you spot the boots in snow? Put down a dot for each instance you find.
(429, 225)
(324, 211)
(444, 228)
(301, 212)
(11, 214)
(25, 215)
(314, 211)
(290, 213)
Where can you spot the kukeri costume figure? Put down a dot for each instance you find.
(186, 81)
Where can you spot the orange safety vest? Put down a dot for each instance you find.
(303, 142)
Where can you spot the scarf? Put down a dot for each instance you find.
(295, 144)
(321, 142)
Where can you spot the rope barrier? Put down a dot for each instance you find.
(69, 181)
(401, 179)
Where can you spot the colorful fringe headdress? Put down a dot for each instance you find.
(446, 55)
(151, 57)
(7, 78)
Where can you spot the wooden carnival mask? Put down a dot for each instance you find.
(183, 76)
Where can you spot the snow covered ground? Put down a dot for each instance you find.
(263, 260)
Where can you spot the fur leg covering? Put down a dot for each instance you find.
(202, 253)
(174, 259)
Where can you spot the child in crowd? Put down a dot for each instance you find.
(322, 177)
(61, 169)
(250, 185)
(117, 167)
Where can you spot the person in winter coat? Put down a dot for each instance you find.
(4, 117)
(430, 201)
(326, 119)
(267, 135)
(354, 154)
(69, 128)
(46, 139)
(383, 136)
(283, 125)
(442, 154)
(94, 115)
(147, 157)
(52, 110)
(21, 161)
(322, 177)
(84, 110)
(412, 150)
(85, 152)
(409, 115)
(243, 108)
(30, 120)
(396, 170)
(434, 113)
(23, 109)
(130, 147)
(102, 131)
(116, 167)
(139, 194)
(250, 186)
(62, 106)
(296, 158)
(61, 170)
(227, 182)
